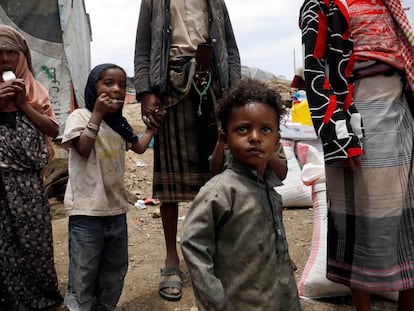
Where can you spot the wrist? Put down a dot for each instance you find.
(97, 115)
(89, 133)
(91, 130)
(151, 130)
(93, 127)
(143, 95)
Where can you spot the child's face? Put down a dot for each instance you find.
(8, 60)
(252, 134)
(113, 83)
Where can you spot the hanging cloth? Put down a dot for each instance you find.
(406, 35)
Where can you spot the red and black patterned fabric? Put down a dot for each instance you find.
(328, 64)
(406, 36)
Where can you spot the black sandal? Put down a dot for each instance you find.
(170, 284)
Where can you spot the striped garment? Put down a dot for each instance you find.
(371, 216)
(182, 147)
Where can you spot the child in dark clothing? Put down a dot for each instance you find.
(233, 239)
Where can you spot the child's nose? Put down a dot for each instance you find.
(255, 135)
(116, 88)
(3, 56)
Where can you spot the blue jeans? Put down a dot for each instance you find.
(98, 262)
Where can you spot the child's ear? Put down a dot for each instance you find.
(277, 145)
(223, 139)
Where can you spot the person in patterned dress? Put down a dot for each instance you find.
(28, 278)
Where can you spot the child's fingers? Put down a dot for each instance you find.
(102, 104)
(152, 122)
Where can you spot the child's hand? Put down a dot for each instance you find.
(20, 91)
(7, 94)
(104, 105)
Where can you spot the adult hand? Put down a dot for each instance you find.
(151, 111)
(353, 163)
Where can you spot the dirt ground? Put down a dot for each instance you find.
(146, 244)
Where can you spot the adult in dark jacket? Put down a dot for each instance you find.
(185, 57)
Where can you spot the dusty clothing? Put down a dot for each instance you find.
(152, 50)
(234, 244)
(28, 278)
(188, 135)
(189, 26)
(181, 150)
(96, 184)
(96, 200)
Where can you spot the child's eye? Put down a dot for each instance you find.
(266, 129)
(242, 129)
(11, 52)
(111, 83)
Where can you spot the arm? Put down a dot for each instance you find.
(232, 50)
(278, 163)
(142, 144)
(335, 118)
(150, 103)
(143, 51)
(46, 125)
(198, 242)
(86, 141)
(216, 159)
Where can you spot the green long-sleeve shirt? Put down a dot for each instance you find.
(234, 244)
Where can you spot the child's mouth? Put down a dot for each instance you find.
(257, 152)
(117, 101)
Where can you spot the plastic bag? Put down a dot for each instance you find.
(300, 109)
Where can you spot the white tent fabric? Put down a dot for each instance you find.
(76, 34)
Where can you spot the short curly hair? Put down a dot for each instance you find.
(245, 91)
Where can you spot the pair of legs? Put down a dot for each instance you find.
(362, 299)
(98, 262)
(181, 150)
(169, 216)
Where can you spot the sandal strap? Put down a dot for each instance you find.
(172, 284)
(170, 271)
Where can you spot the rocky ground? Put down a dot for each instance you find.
(146, 244)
